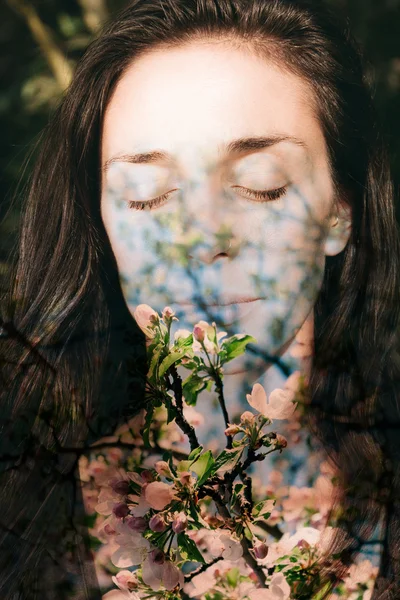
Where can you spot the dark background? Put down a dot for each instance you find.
(41, 41)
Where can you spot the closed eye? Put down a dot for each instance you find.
(254, 195)
(263, 195)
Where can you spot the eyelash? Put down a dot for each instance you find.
(258, 196)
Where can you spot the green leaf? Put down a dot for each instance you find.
(145, 432)
(197, 518)
(188, 548)
(235, 346)
(237, 490)
(227, 460)
(184, 465)
(191, 388)
(155, 359)
(203, 467)
(169, 361)
(263, 509)
(194, 453)
(183, 342)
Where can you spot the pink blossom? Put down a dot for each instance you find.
(278, 406)
(199, 333)
(362, 572)
(287, 542)
(222, 543)
(144, 316)
(147, 475)
(155, 573)
(140, 506)
(168, 314)
(179, 523)
(120, 486)
(163, 469)
(201, 583)
(138, 524)
(204, 332)
(299, 499)
(157, 523)
(232, 429)
(121, 510)
(182, 333)
(186, 478)
(159, 494)
(125, 580)
(247, 418)
(278, 589)
(133, 550)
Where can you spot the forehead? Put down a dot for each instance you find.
(194, 100)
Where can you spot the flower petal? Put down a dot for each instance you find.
(258, 398)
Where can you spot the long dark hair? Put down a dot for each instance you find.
(65, 299)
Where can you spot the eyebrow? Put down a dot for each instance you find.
(233, 148)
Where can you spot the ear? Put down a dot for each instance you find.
(339, 230)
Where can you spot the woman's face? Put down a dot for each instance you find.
(225, 125)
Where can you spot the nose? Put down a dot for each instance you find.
(209, 224)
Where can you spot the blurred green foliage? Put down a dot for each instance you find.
(41, 41)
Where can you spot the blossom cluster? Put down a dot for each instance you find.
(168, 523)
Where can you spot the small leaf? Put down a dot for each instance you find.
(184, 465)
(145, 431)
(197, 518)
(188, 549)
(227, 460)
(183, 342)
(234, 347)
(155, 360)
(263, 509)
(191, 388)
(169, 361)
(203, 467)
(194, 453)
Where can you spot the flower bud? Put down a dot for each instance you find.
(167, 313)
(162, 468)
(179, 524)
(281, 441)
(108, 529)
(303, 544)
(120, 487)
(157, 523)
(198, 333)
(247, 418)
(145, 317)
(185, 477)
(260, 550)
(232, 429)
(121, 510)
(126, 580)
(147, 475)
(157, 556)
(138, 524)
